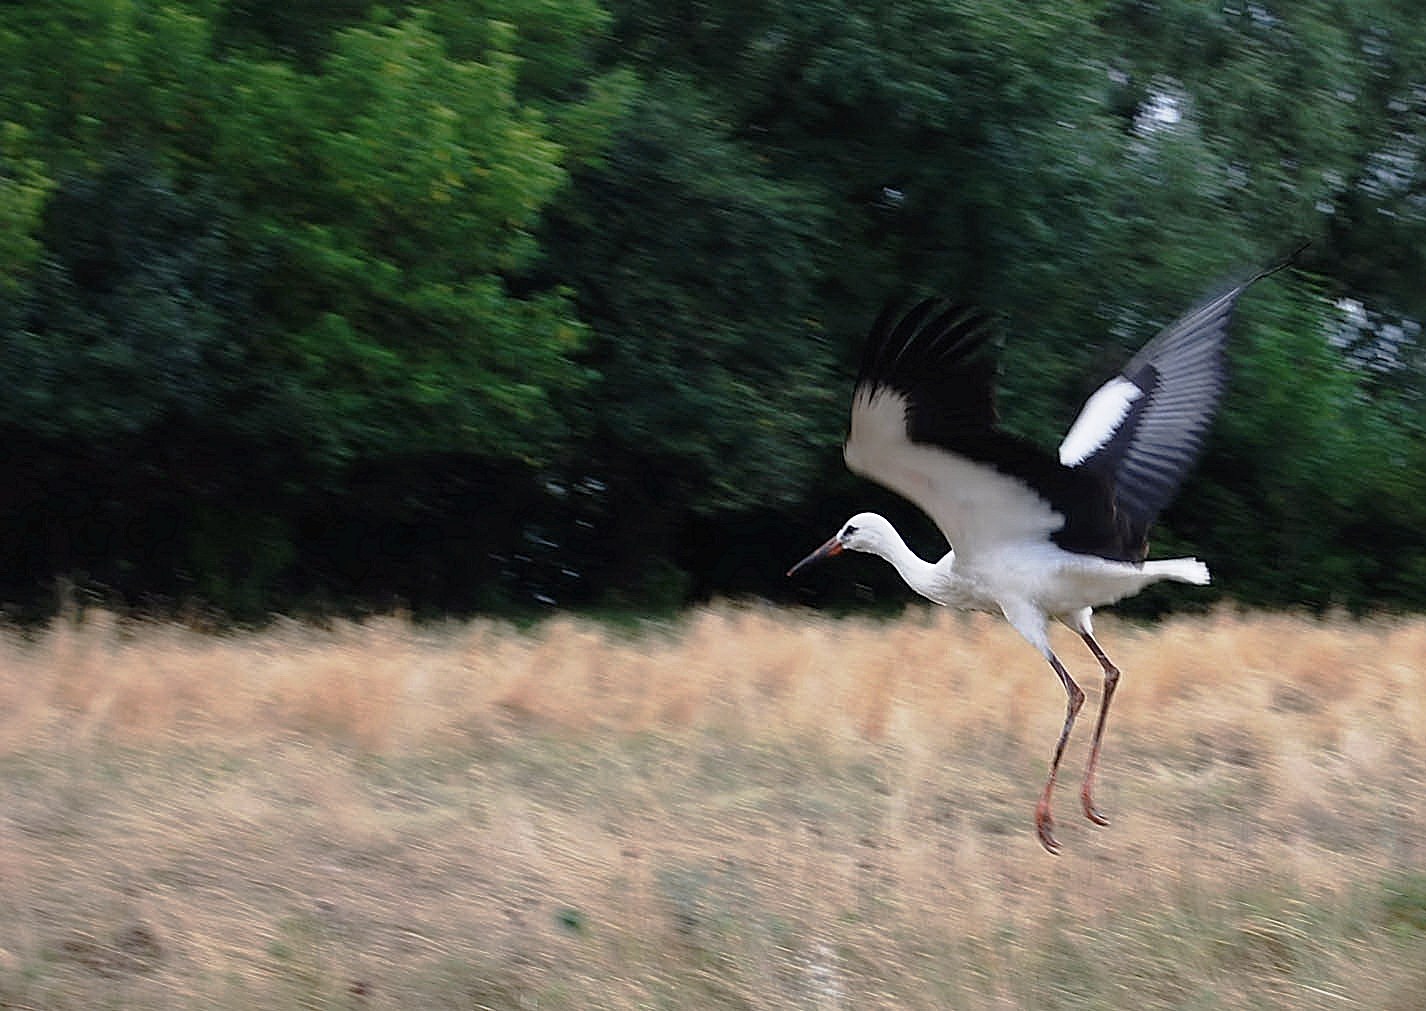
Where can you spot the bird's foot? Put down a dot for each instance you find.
(1090, 811)
(1045, 827)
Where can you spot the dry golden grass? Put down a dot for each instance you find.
(750, 808)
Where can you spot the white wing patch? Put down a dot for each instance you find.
(1102, 415)
(977, 507)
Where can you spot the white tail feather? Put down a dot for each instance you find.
(1185, 570)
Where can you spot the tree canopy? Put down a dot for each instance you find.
(456, 305)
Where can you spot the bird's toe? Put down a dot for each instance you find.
(1090, 811)
(1045, 829)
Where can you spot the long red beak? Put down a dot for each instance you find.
(832, 547)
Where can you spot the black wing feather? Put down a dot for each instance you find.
(1180, 376)
(936, 356)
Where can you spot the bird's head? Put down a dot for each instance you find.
(863, 532)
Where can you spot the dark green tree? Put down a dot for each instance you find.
(456, 302)
(696, 271)
(254, 279)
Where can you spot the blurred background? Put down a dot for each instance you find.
(496, 307)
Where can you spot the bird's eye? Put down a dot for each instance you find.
(849, 530)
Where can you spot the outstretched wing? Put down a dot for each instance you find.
(1143, 430)
(924, 425)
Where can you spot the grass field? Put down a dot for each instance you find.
(747, 809)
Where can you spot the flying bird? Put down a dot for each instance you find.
(1033, 536)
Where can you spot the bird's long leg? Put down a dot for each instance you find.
(1111, 680)
(1044, 821)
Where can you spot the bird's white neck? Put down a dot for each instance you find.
(926, 578)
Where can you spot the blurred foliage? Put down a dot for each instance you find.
(24, 186)
(403, 187)
(461, 305)
(691, 341)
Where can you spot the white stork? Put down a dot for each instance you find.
(1032, 536)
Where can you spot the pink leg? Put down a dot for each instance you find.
(1111, 680)
(1044, 821)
